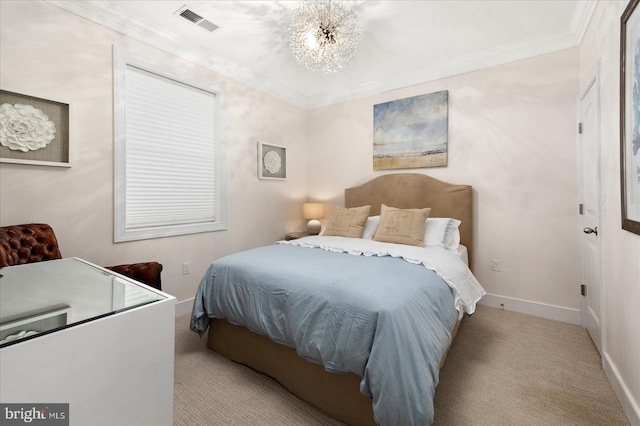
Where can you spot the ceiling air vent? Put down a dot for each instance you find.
(187, 13)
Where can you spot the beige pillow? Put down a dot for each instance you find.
(402, 226)
(347, 222)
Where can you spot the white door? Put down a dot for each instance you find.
(589, 209)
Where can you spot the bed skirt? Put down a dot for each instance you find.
(336, 394)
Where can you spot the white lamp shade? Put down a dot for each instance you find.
(313, 210)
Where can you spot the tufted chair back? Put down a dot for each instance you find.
(29, 243)
(146, 272)
(35, 242)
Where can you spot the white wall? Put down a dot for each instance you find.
(512, 135)
(52, 53)
(620, 249)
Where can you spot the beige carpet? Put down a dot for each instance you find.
(503, 369)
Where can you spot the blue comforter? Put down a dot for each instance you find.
(383, 318)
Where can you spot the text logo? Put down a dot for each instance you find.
(34, 414)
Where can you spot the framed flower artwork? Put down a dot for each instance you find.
(34, 130)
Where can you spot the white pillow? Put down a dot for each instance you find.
(442, 232)
(370, 227)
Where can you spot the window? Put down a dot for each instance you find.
(170, 171)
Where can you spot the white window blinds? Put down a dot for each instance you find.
(167, 179)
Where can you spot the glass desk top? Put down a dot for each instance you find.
(42, 297)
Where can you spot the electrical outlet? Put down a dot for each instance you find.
(186, 268)
(496, 265)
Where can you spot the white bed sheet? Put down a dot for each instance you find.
(463, 254)
(445, 263)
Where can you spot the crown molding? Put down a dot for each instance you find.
(477, 61)
(169, 42)
(581, 18)
(566, 39)
(172, 43)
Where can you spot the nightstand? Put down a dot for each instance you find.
(295, 235)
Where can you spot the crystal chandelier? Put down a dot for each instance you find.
(324, 34)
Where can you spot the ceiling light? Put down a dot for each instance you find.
(324, 34)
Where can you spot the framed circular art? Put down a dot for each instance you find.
(272, 161)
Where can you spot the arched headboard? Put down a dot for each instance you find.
(413, 191)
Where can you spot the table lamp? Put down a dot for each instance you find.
(313, 211)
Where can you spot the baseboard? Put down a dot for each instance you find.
(184, 307)
(558, 313)
(630, 407)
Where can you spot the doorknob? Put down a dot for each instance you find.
(590, 230)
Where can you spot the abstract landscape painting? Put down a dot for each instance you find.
(412, 132)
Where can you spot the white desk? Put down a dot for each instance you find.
(108, 350)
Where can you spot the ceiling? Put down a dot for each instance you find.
(403, 42)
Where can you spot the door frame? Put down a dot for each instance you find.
(593, 80)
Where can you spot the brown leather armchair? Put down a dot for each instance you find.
(36, 242)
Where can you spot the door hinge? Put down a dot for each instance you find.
(583, 290)
(581, 208)
(580, 128)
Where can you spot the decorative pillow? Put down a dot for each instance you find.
(370, 227)
(347, 222)
(402, 226)
(442, 232)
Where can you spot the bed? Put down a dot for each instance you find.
(328, 326)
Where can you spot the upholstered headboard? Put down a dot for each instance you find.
(412, 190)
